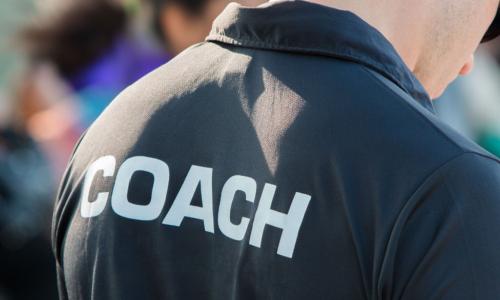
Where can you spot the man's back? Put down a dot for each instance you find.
(246, 170)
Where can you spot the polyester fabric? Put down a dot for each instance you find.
(292, 155)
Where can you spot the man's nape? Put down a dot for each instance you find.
(435, 39)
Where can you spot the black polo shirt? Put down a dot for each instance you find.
(292, 155)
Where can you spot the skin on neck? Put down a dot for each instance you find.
(435, 39)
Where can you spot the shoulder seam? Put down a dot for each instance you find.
(408, 204)
(426, 120)
(488, 157)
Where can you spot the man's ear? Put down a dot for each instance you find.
(467, 68)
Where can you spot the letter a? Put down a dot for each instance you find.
(182, 204)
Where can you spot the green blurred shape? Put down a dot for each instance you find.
(491, 142)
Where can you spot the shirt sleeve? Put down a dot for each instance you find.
(447, 246)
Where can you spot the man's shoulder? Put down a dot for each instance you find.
(430, 132)
(476, 169)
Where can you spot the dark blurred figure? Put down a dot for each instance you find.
(182, 23)
(27, 270)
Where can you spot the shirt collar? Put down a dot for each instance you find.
(300, 26)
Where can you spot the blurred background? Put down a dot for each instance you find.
(62, 62)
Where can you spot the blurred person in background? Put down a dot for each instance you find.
(82, 54)
(182, 23)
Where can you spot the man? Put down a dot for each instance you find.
(293, 155)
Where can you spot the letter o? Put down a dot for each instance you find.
(120, 202)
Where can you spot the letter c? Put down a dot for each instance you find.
(91, 209)
(232, 185)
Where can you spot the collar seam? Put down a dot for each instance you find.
(343, 54)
